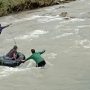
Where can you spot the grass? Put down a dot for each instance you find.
(12, 6)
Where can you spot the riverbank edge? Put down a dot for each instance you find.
(15, 6)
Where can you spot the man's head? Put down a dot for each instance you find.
(33, 50)
(15, 47)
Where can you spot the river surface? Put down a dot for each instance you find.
(65, 39)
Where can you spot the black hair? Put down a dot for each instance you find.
(33, 50)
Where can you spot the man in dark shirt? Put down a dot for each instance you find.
(12, 54)
(2, 27)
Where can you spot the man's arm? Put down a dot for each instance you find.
(29, 58)
(6, 26)
(14, 56)
(42, 52)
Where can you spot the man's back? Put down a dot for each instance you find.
(36, 57)
(11, 52)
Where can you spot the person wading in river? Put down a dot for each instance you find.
(36, 56)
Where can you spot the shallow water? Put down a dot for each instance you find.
(65, 39)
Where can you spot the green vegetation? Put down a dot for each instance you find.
(12, 6)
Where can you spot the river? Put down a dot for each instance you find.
(65, 39)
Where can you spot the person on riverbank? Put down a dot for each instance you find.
(36, 56)
(12, 54)
(2, 27)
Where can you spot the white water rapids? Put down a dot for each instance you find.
(65, 39)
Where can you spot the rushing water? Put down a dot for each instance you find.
(67, 45)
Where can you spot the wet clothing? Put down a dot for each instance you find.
(1, 28)
(11, 53)
(41, 64)
(20, 56)
(37, 58)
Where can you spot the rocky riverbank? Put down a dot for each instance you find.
(14, 6)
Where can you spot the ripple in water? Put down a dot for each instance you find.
(31, 35)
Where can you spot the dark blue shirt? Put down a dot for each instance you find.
(1, 28)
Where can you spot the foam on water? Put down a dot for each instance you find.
(5, 71)
(77, 31)
(72, 20)
(82, 0)
(27, 18)
(45, 19)
(16, 20)
(85, 43)
(51, 55)
(71, 70)
(31, 35)
(40, 18)
(83, 26)
(30, 67)
(50, 9)
(77, 19)
(63, 35)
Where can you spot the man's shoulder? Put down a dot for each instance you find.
(37, 53)
(13, 50)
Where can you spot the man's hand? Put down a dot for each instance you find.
(9, 24)
(22, 61)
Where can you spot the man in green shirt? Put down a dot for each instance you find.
(36, 56)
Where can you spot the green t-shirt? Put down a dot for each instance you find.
(36, 57)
